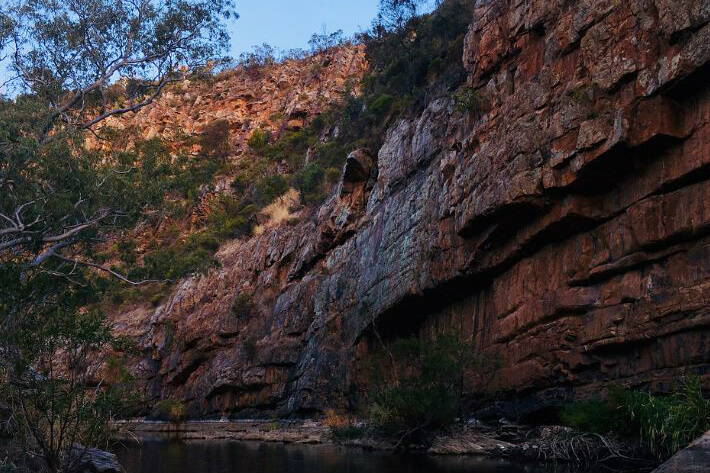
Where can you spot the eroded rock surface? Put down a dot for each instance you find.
(564, 228)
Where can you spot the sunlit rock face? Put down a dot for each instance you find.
(563, 227)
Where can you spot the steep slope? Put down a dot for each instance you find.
(562, 227)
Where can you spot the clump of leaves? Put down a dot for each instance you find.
(243, 306)
(668, 423)
(381, 104)
(665, 424)
(214, 140)
(169, 410)
(418, 384)
(468, 100)
(50, 374)
(258, 140)
(595, 416)
(411, 54)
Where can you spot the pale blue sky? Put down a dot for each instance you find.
(287, 24)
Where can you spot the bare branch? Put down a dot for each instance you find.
(132, 108)
(14, 243)
(107, 270)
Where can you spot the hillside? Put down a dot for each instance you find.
(561, 224)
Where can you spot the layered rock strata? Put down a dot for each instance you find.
(562, 226)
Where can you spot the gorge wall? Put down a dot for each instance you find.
(563, 228)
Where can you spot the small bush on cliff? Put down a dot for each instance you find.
(215, 139)
(468, 100)
(243, 306)
(381, 104)
(418, 384)
(308, 181)
(269, 188)
(258, 140)
(665, 424)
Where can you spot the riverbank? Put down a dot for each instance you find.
(506, 440)
(461, 441)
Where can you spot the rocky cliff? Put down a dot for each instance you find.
(563, 228)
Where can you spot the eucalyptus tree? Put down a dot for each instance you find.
(72, 64)
(65, 59)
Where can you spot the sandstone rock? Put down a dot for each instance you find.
(92, 460)
(694, 459)
(565, 230)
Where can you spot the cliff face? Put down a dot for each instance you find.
(563, 227)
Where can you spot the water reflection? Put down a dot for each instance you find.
(246, 457)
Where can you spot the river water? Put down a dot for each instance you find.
(246, 457)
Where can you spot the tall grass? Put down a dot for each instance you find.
(665, 423)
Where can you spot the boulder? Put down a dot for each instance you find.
(93, 460)
(694, 459)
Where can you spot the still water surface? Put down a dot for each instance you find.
(246, 457)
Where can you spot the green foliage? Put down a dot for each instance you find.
(381, 104)
(410, 54)
(59, 198)
(258, 140)
(418, 384)
(309, 181)
(243, 306)
(269, 188)
(45, 378)
(668, 423)
(169, 410)
(468, 100)
(260, 56)
(595, 416)
(347, 432)
(665, 423)
(325, 41)
(61, 195)
(580, 95)
(51, 59)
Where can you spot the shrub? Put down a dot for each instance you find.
(467, 100)
(169, 410)
(261, 56)
(259, 140)
(665, 424)
(381, 104)
(595, 416)
(580, 95)
(342, 427)
(323, 42)
(668, 423)
(243, 306)
(333, 175)
(348, 432)
(269, 188)
(410, 54)
(418, 384)
(214, 140)
(308, 181)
